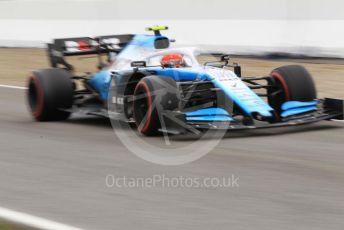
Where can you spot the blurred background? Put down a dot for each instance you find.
(309, 27)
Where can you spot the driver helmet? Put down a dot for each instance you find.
(173, 61)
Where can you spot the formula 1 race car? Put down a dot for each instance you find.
(172, 90)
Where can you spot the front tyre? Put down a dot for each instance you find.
(291, 83)
(153, 95)
(50, 91)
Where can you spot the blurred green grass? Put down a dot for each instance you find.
(4, 226)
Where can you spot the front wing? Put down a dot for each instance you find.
(177, 123)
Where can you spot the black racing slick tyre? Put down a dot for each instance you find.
(152, 96)
(50, 91)
(291, 83)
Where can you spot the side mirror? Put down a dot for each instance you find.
(225, 57)
(138, 64)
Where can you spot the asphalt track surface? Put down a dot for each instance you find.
(288, 178)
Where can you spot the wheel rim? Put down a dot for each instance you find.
(142, 107)
(33, 96)
(280, 93)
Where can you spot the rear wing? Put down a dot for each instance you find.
(77, 46)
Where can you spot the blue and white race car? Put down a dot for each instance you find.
(172, 90)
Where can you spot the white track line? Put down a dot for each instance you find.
(32, 221)
(12, 87)
(26, 219)
(337, 120)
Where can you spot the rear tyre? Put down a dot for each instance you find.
(49, 92)
(291, 83)
(152, 96)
